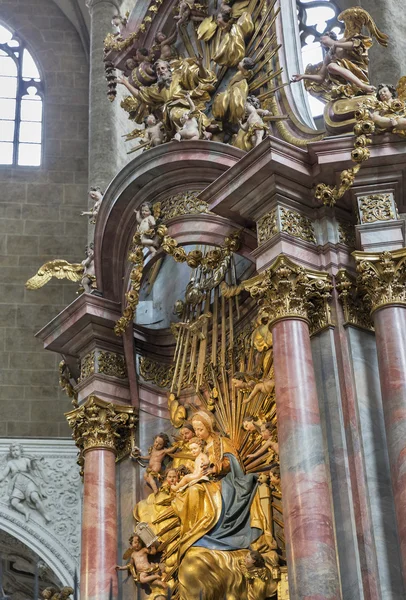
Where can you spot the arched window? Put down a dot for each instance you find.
(315, 18)
(20, 103)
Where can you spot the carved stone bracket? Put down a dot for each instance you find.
(382, 277)
(104, 362)
(287, 221)
(100, 424)
(357, 311)
(291, 291)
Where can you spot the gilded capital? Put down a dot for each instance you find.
(382, 277)
(100, 424)
(291, 291)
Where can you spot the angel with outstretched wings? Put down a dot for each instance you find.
(344, 70)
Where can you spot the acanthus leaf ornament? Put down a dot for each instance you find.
(356, 310)
(382, 277)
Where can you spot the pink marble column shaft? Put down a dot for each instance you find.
(99, 526)
(308, 518)
(390, 329)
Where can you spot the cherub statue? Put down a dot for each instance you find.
(202, 462)
(159, 450)
(147, 228)
(96, 195)
(190, 126)
(164, 46)
(88, 280)
(189, 10)
(251, 424)
(118, 23)
(154, 131)
(139, 566)
(253, 127)
(26, 481)
(266, 386)
(260, 582)
(389, 111)
(344, 70)
(269, 446)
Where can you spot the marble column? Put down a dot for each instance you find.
(106, 145)
(307, 506)
(101, 430)
(382, 282)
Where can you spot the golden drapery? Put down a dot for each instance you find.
(232, 46)
(230, 104)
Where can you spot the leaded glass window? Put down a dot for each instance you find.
(21, 103)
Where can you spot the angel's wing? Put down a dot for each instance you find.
(401, 88)
(127, 553)
(355, 19)
(61, 269)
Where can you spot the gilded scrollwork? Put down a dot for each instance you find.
(267, 227)
(112, 364)
(376, 207)
(185, 203)
(297, 225)
(156, 372)
(382, 277)
(356, 310)
(100, 424)
(87, 366)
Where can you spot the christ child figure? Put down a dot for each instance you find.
(156, 455)
(202, 461)
(139, 566)
(190, 126)
(146, 227)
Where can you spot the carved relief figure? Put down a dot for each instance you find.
(26, 479)
(139, 566)
(159, 450)
(269, 446)
(96, 195)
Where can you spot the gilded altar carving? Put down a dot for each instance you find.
(185, 203)
(67, 382)
(290, 290)
(156, 372)
(357, 311)
(382, 277)
(111, 364)
(100, 424)
(267, 227)
(346, 233)
(297, 225)
(376, 207)
(87, 365)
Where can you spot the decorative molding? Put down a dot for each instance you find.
(292, 292)
(376, 207)
(185, 203)
(346, 233)
(356, 309)
(297, 225)
(158, 373)
(111, 364)
(267, 226)
(99, 424)
(382, 277)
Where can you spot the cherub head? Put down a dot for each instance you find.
(246, 64)
(150, 120)
(171, 477)
(161, 441)
(266, 430)
(90, 249)
(141, 54)
(117, 21)
(252, 102)
(146, 210)
(136, 542)
(185, 117)
(385, 92)
(275, 476)
(95, 193)
(329, 34)
(248, 424)
(196, 446)
(15, 450)
(131, 63)
(224, 16)
(160, 37)
(254, 559)
(65, 593)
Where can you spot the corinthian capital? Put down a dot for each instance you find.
(100, 424)
(382, 277)
(291, 291)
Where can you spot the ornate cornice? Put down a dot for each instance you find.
(293, 292)
(100, 424)
(356, 310)
(381, 277)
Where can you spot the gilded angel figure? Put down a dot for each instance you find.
(344, 70)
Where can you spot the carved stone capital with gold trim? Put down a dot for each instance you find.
(100, 424)
(291, 291)
(382, 277)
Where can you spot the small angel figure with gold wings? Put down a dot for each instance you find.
(344, 71)
(139, 566)
(389, 111)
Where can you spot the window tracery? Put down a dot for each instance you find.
(21, 103)
(315, 18)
